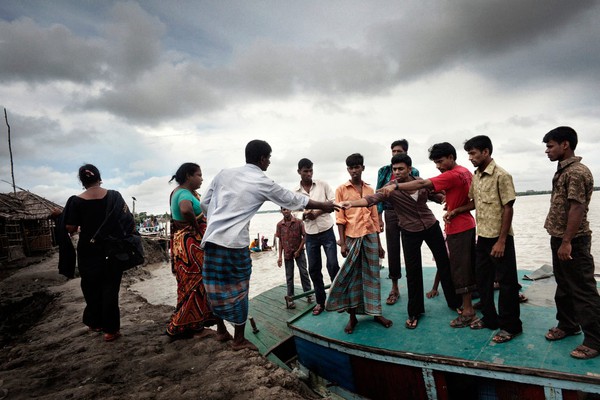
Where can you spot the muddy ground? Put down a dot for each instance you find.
(47, 352)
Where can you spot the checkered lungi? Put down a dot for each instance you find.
(357, 283)
(226, 274)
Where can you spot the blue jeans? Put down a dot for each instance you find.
(315, 264)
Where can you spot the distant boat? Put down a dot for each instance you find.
(433, 361)
(150, 230)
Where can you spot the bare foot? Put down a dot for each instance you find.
(244, 344)
(383, 321)
(204, 333)
(224, 337)
(351, 324)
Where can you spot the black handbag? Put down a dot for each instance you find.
(126, 252)
(122, 245)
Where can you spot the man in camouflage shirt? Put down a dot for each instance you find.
(577, 299)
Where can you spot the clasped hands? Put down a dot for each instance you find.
(327, 207)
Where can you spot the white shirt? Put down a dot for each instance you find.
(319, 191)
(232, 199)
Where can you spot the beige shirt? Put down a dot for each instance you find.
(491, 190)
(320, 191)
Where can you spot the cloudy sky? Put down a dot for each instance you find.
(137, 88)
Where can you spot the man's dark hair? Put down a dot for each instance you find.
(304, 163)
(402, 158)
(561, 134)
(355, 159)
(402, 142)
(480, 142)
(440, 150)
(256, 149)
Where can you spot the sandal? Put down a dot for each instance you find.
(462, 321)
(556, 333)
(392, 298)
(412, 322)
(503, 336)
(478, 324)
(317, 310)
(111, 337)
(583, 352)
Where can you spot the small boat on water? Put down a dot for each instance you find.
(433, 361)
(151, 231)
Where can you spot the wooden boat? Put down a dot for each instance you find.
(433, 361)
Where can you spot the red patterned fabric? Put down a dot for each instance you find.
(192, 312)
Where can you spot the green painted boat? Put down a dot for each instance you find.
(433, 361)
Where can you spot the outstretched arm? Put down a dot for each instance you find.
(354, 203)
(409, 186)
(326, 206)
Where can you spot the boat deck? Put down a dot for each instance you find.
(434, 343)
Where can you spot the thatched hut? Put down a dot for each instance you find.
(25, 225)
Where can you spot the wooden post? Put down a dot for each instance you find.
(12, 173)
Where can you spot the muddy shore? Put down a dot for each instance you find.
(47, 352)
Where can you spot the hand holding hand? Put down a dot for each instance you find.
(330, 206)
(345, 205)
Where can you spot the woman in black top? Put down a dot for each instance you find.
(100, 280)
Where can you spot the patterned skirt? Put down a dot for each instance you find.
(357, 284)
(227, 280)
(192, 312)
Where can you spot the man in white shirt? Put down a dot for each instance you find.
(319, 231)
(233, 198)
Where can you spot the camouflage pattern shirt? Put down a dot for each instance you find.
(573, 181)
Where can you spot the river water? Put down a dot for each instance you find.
(531, 241)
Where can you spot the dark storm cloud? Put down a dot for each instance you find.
(137, 79)
(31, 53)
(444, 34)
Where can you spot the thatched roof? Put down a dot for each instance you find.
(10, 206)
(25, 205)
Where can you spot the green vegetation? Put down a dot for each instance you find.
(536, 192)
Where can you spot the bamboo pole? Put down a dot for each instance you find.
(12, 172)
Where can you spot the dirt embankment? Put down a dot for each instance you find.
(47, 352)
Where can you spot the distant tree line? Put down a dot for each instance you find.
(535, 192)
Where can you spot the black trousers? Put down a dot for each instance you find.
(504, 270)
(412, 242)
(100, 284)
(577, 299)
(392, 240)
